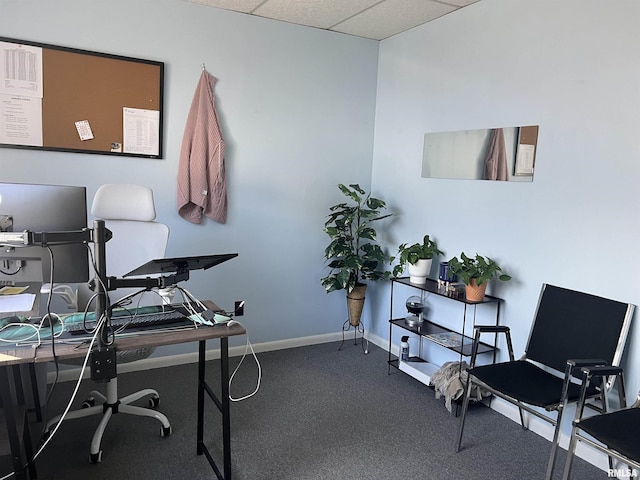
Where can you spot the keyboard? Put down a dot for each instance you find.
(144, 320)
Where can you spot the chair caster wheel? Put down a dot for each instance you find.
(95, 457)
(154, 402)
(47, 433)
(165, 431)
(89, 402)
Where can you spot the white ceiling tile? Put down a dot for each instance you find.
(314, 13)
(393, 16)
(376, 19)
(244, 6)
(459, 3)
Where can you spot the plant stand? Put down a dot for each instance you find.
(346, 326)
(355, 305)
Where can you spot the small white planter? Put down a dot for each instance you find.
(419, 272)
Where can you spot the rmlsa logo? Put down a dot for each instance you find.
(622, 473)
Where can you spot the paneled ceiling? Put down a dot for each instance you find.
(375, 19)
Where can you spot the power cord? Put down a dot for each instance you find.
(248, 347)
(187, 304)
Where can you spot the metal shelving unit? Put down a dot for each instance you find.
(432, 331)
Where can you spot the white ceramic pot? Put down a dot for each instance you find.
(419, 272)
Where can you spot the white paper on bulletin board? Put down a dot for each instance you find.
(21, 120)
(141, 131)
(20, 69)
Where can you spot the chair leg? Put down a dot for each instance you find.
(95, 454)
(570, 454)
(141, 394)
(522, 419)
(554, 445)
(463, 415)
(83, 412)
(145, 412)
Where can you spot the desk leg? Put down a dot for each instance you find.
(34, 391)
(201, 383)
(8, 395)
(24, 434)
(226, 406)
(223, 404)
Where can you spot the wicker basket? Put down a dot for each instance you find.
(355, 303)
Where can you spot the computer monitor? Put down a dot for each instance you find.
(43, 208)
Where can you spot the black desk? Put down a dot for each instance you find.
(13, 402)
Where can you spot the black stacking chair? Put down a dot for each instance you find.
(615, 433)
(570, 330)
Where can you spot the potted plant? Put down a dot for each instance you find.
(353, 255)
(475, 272)
(417, 258)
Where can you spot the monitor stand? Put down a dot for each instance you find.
(180, 265)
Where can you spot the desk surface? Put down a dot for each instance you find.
(129, 341)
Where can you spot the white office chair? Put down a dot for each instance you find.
(129, 212)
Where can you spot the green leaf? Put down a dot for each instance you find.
(352, 193)
(357, 188)
(375, 203)
(366, 232)
(342, 279)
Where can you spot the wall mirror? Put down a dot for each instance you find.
(501, 154)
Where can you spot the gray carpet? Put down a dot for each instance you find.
(320, 414)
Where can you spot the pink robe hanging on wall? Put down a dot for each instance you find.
(495, 163)
(201, 173)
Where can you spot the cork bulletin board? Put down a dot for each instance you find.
(64, 99)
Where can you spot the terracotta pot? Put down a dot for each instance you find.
(419, 272)
(475, 293)
(355, 303)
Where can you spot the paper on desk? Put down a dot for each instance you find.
(22, 302)
(12, 290)
(4, 357)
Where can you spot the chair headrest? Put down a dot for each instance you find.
(124, 202)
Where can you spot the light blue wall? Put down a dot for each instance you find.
(297, 109)
(569, 67)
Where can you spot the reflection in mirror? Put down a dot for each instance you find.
(506, 154)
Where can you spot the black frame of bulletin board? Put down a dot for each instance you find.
(82, 85)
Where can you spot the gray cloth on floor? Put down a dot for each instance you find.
(449, 381)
